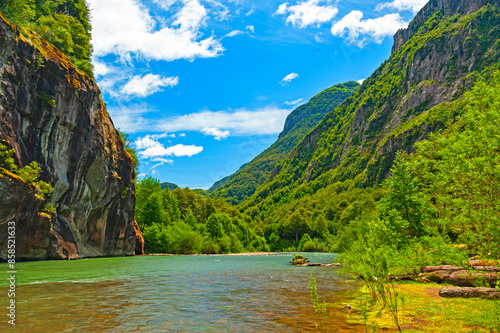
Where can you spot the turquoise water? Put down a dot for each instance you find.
(175, 293)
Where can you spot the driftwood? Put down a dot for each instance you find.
(484, 263)
(312, 264)
(430, 269)
(487, 268)
(467, 292)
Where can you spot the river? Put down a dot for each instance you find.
(176, 293)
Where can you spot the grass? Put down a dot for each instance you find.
(426, 311)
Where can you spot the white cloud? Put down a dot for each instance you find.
(147, 142)
(178, 150)
(352, 27)
(215, 132)
(234, 33)
(182, 135)
(250, 28)
(165, 4)
(287, 79)
(412, 5)
(126, 28)
(147, 85)
(100, 68)
(129, 119)
(191, 16)
(360, 81)
(296, 102)
(161, 159)
(307, 13)
(240, 122)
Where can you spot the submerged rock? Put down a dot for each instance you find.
(53, 114)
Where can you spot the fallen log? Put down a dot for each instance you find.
(468, 292)
(484, 263)
(313, 264)
(429, 269)
(487, 268)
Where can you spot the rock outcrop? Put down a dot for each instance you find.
(53, 114)
(458, 276)
(449, 7)
(417, 91)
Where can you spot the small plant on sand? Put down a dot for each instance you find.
(319, 308)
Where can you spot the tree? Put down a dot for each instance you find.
(170, 205)
(63, 23)
(306, 238)
(461, 168)
(214, 226)
(152, 211)
(297, 224)
(130, 150)
(6, 160)
(320, 225)
(190, 219)
(404, 195)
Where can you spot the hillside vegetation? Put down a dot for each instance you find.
(183, 221)
(335, 172)
(299, 122)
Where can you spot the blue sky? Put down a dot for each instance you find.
(204, 86)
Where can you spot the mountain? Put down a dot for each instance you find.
(447, 47)
(242, 184)
(53, 114)
(170, 186)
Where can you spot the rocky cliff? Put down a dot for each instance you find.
(449, 7)
(418, 90)
(53, 114)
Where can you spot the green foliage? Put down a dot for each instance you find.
(6, 160)
(184, 221)
(461, 168)
(355, 145)
(319, 308)
(130, 150)
(403, 201)
(29, 173)
(64, 23)
(305, 239)
(448, 191)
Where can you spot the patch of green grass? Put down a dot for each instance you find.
(426, 311)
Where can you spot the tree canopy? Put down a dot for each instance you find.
(64, 23)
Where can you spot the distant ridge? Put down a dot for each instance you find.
(242, 184)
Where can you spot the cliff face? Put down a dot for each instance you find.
(53, 114)
(449, 7)
(416, 91)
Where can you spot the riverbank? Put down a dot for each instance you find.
(421, 309)
(221, 254)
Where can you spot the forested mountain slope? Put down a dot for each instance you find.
(243, 183)
(416, 91)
